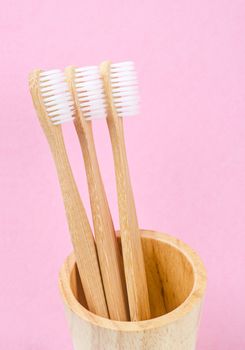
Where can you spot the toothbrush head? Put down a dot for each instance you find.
(56, 97)
(90, 92)
(124, 87)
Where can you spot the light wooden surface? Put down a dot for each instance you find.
(110, 258)
(177, 281)
(131, 243)
(81, 234)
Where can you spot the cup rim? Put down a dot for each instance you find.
(194, 298)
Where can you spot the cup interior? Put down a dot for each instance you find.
(170, 276)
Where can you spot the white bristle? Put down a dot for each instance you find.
(56, 96)
(90, 92)
(124, 88)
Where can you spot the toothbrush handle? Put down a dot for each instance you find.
(130, 235)
(80, 230)
(108, 251)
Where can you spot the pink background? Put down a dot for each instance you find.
(186, 150)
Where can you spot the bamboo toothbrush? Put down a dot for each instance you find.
(120, 86)
(87, 89)
(54, 106)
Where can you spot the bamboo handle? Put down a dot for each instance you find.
(108, 251)
(130, 235)
(81, 234)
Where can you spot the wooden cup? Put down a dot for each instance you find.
(176, 280)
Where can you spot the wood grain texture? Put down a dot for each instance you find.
(110, 258)
(179, 284)
(81, 234)
(130, 236)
